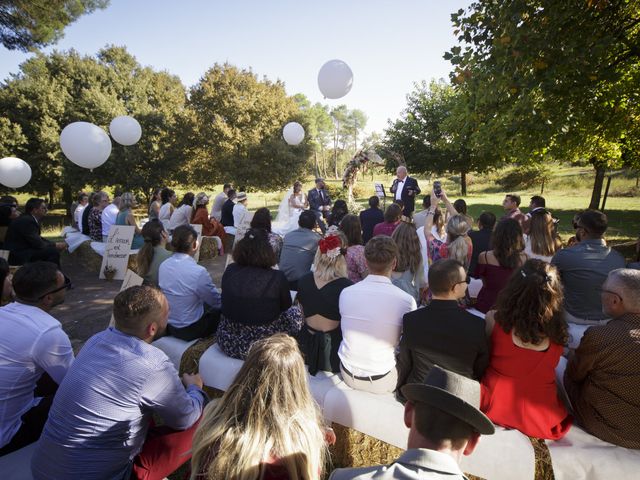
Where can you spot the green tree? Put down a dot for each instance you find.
(236, 123)
(552, 78)
(320, 130)
(30, 24)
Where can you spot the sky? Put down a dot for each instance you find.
(389, 45)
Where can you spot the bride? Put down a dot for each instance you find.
(291, 206)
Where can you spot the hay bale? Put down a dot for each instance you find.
(544, 467)
(356, 449)
(87, 257)
(208, 248)
(191, 357)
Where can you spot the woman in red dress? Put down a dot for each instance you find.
(527, 332)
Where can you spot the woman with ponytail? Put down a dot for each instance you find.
(153, 251)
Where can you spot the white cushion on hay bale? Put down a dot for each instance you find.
(17, 465)
(174, 348)
(100, 247)
(74, 238)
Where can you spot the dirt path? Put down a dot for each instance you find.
(87, 308)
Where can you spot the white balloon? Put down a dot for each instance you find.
(125, 130)
(335, 79)
(85, 144)
(14, 173)
(293, 133)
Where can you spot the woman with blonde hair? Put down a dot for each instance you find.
(125, 217)
(542, 242)
(153, 252)
(319, 295)
(266, 425)
(408, 274)
(528, 332)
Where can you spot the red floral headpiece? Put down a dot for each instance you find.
(330, 245)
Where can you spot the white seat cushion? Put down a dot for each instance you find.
(216, 369)
(17, 465)
(174, 348)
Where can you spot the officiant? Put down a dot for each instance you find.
(320, 202)
(405, 188)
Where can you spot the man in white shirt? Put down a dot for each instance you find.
(371, 320)
(109, 215)
(194, 301)
(216, 208)
(83, 200)
(36, 354)
(405, 189)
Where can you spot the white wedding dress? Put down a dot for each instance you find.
(289, 210)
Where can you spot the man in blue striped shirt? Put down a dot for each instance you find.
(100, 424)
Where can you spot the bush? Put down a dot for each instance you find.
(523, 177)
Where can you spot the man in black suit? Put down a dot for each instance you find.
(319, 203)
(24, 240)
(442, 333)
(481, 239)
(370, 217)
(405, 188)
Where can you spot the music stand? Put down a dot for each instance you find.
(381, 194)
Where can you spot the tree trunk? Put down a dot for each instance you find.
(317, 164)
(52, 194)
(67, 198)
(463, 183)
(596, 193)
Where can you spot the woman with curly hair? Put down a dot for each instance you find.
(408, 274)
(496, 266)
(338, 212)
(542, 242)
(319, 295)
(356, 264)
(262, 219)
(266, 425)
(528, 332)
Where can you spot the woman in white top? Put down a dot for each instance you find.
(182, 214)
(542, 242)
(169, 200)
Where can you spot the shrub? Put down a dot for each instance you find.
(525, 176)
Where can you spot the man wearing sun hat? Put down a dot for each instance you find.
(445, 423)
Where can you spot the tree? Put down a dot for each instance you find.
(30, 24)
(552, 78)
(236, 122)
(320, 131)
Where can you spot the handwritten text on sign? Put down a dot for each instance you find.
(116, 253)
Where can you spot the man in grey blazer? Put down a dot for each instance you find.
(444, 422)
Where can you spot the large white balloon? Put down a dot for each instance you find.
(14, 173)
(85, 144)
(125, 130)
(293, 133)
(335, 79)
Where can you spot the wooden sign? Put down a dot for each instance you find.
(116, 253)
(197, 228)
(131, 279)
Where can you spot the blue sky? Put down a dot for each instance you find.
(389, 45)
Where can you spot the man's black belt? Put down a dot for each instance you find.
(372, 378)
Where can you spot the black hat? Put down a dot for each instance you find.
(452, 393)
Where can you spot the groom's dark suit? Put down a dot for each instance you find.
(317, 200)
(409, 185)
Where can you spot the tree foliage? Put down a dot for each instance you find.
(552, 78)
(30, 24)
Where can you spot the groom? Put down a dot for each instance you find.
(320, 202)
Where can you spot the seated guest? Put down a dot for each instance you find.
(481, 239)
(153, 252)
(371, 320)
(182, 215)
(262, 219)
(256, 302)
(277, 433)
(420, 217)
(338, 211)
(318, 294)
(528, 333)
(226, 214)
(444, 423)
(169, 200)
(210, 226)
(241, 217)
(602, 378)
(110, 215)
(542, 241)
(584, 268)
(6, 287)
(370, 217)
(100, 202)
(511, 205)
(496, 266)
(125, 217)
(218, 202)
(84, 225)
(442, 333)
(154, 206)
(537, 203)
(392, 218)
(456, 244)
(299, 248)
(36, 354)
(408, 273)
(8, 210)
(356, 264)
(194, 301)
(101, 422)
(83, 200)
(24, 239)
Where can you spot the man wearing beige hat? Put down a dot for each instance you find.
(445, 423)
